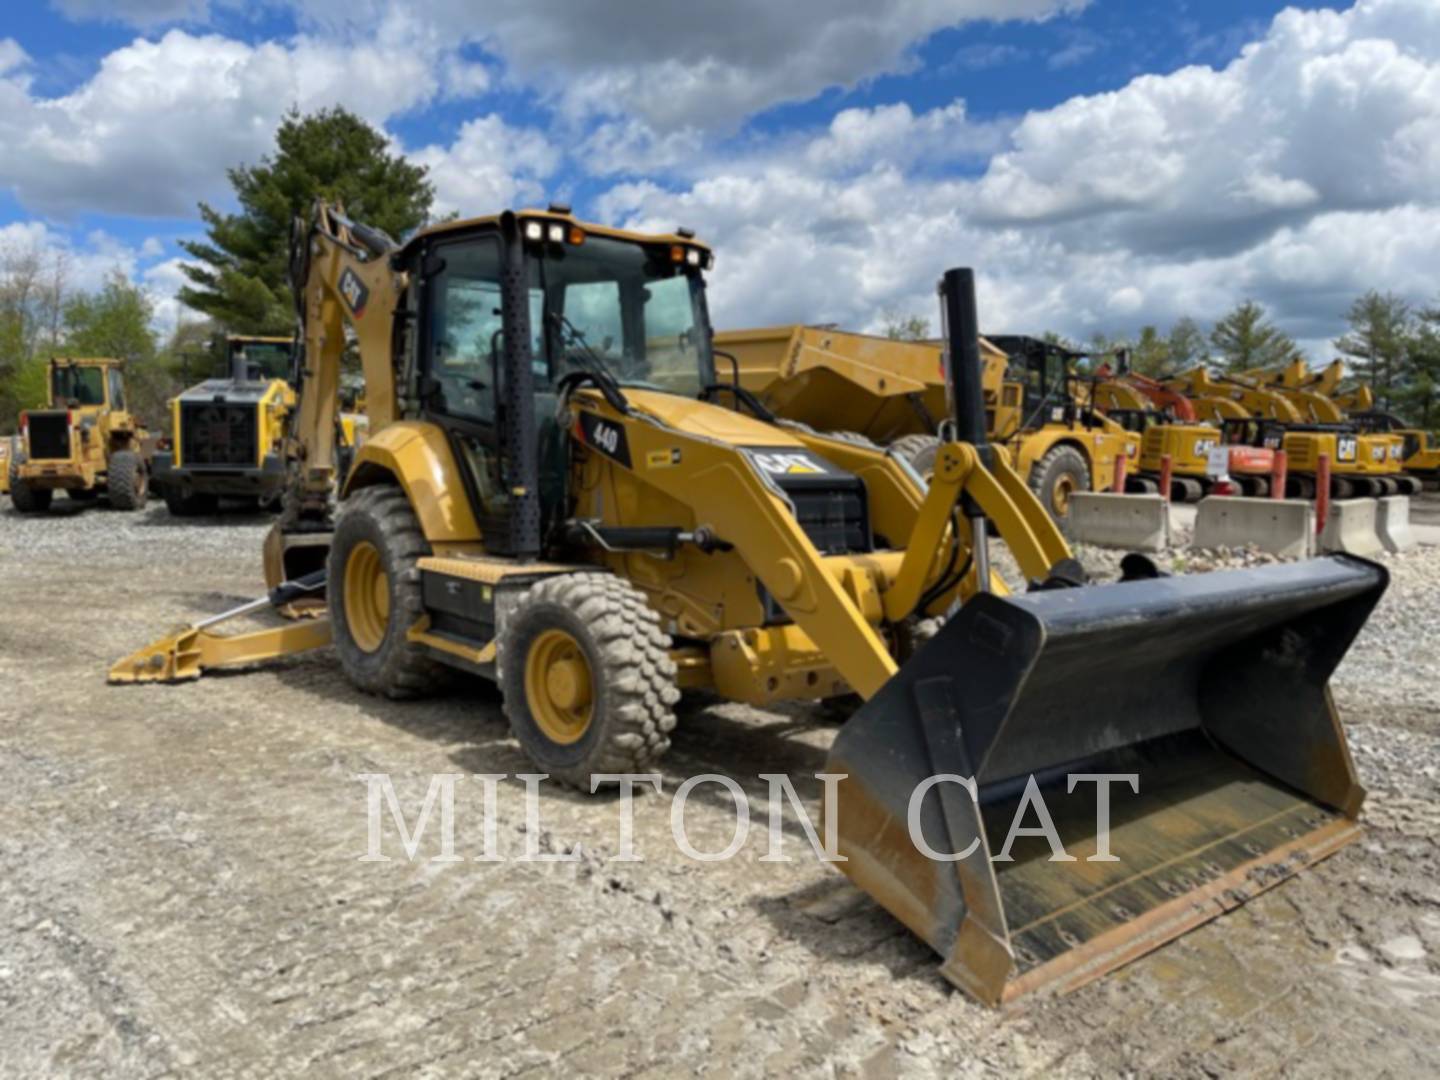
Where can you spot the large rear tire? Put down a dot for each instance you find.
(919, 451)
(127, 481)
(588, 681)
(1055, 477)
(373, 588)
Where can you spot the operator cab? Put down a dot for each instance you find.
(258, 359)
(78, 385)
(1138, 421)
(510, 312)
(1253, 431)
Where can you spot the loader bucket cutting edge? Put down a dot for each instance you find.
(1210, 688)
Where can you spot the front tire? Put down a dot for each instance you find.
(373, 588)
(587, 677)
(27, 499)
(127, 481)
(182, 503)
(1055, 477)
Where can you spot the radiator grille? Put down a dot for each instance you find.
(49, 436)
(214, 433)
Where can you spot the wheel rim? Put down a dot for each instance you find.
(1060, 493)
(367, 596)
(559, 687)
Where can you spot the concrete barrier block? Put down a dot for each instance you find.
(1131, 522)
(1392, 523)
(1284, 527)
(1351, 528)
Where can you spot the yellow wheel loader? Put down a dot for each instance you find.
(86, 443)
(558, 493)
(227, 433)
(893, 394)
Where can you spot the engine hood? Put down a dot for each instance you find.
(710, 421)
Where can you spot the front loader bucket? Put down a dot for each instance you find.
(1210, 689)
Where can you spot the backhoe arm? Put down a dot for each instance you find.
(341, 275)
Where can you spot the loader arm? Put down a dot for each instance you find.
(728, 494)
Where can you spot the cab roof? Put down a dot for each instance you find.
(260, 339)
(464, 224)
(86, 361)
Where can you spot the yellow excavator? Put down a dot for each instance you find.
(1252, 412)
(1167, 423)
(893, 394)
(1419, 449)
(558, 493)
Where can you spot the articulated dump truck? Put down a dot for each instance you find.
(580, 509)
(1037, 412)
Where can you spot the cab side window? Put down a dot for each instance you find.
(117, 390)
(464, 339)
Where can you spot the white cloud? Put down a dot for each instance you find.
(12, 56)
(893, 134)
(134, 12)
(153, 131)
(1330, 111)
(1301, 174)
(674, 66)
(489, 165)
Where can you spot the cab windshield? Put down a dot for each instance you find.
(628, 307)
(263, 359)
(602, 303)
(81, 385)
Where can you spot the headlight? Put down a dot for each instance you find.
(692, 257)
(534, 230)
(557, 233)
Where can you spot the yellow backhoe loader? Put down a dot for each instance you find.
(87, 443)
(558, 493)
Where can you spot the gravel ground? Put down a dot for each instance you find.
(183, 892)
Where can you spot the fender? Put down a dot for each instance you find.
(416, 455)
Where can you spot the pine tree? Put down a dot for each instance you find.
(239, 278)
(1150, 355)
(1421, 396)
(1244, 340)
(1186, 345)
(1380, 329)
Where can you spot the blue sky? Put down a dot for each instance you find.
(1102, 163)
